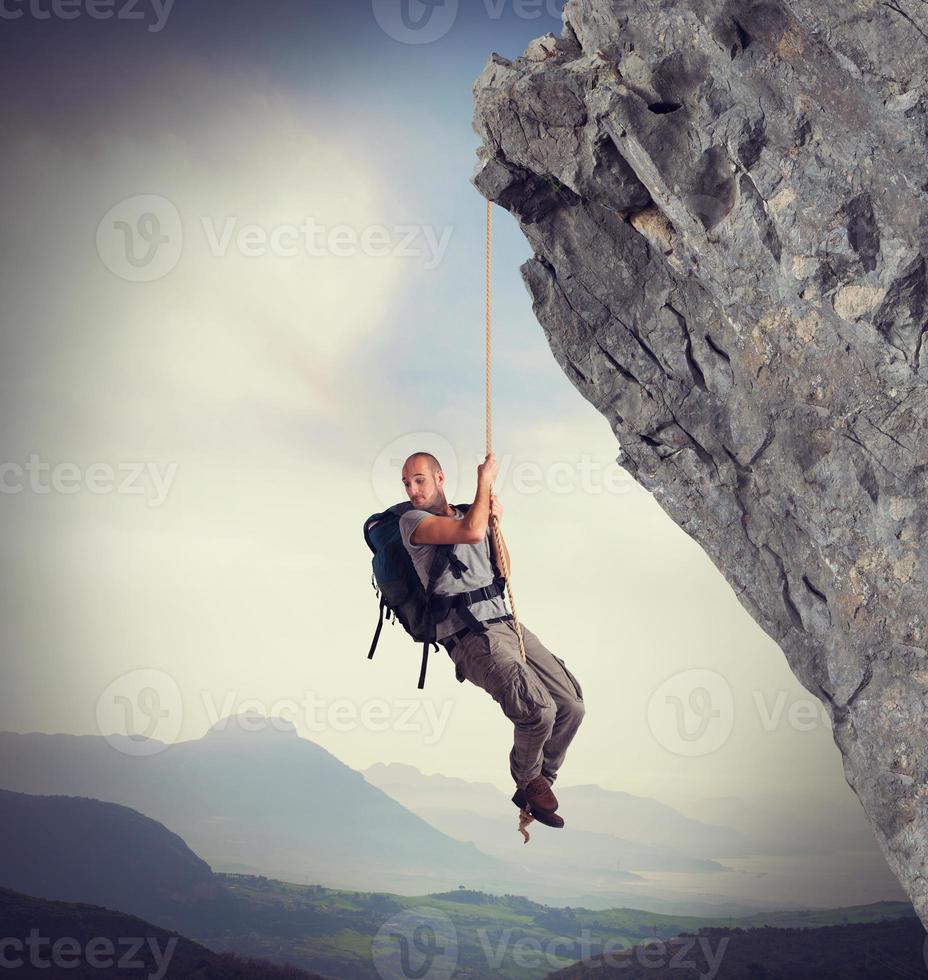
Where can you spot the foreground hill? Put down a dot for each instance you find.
(97, 942)
(74, 849)
(352, 935)
(867, 951)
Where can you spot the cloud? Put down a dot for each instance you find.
(286, 265)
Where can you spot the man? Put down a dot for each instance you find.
(540, 695)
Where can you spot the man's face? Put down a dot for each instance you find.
(423, 487)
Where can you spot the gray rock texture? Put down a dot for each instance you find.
(728, 207)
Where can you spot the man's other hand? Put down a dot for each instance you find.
(488, 470)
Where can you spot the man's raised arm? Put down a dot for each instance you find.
(472, 528)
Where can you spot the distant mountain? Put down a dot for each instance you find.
(578, 853)
(407, 783)
(270, 803)
(648, 821)
(137, 949)
(700, 828)
(608, 830)
(83, 850)
(784, 825)
(261, 799)
(618, 848)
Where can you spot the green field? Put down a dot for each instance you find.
(332, 930)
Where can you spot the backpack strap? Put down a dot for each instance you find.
(443, 557)
(425, 661)
(369, 524)
(461, 602)
(456, 566)
(383, 606)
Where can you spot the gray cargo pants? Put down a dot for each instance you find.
(541, 696)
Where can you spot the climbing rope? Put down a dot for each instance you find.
(494, 521)
(525, 815)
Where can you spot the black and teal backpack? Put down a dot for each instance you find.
(402, 595)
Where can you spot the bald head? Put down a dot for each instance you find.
(419, 461)
(424, 481)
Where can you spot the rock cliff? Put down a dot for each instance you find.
(728, 207)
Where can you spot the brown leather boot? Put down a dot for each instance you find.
(539, 799)
(539, 794)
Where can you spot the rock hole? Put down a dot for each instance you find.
(664, 108)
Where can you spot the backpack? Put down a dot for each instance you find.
(402, 595)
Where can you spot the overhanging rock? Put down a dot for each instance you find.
(728, 206)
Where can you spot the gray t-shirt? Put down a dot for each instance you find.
(479, 572)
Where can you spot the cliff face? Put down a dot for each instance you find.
(728, 206)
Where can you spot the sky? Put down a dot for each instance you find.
(242, 272)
